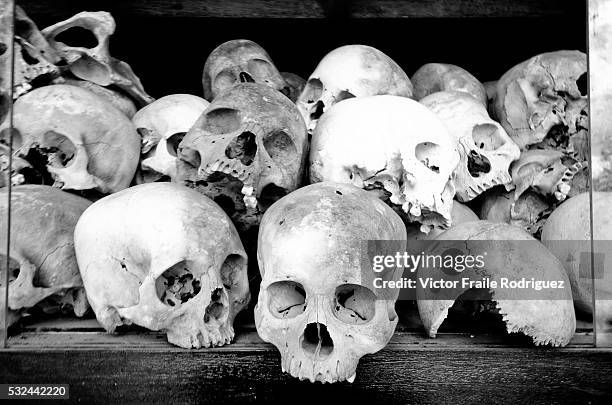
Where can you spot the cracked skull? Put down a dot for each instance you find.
(507, 252)
(183, 273)
(542, 102)
(548, 172)
(347, 72)
(43, 265)
(393, 145)
(316, 304)
(486, 150)
(162, 126)
(247, 150)
(240, 61)
(75, 139)
(82, 41)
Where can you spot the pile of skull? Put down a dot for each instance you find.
(179, 183)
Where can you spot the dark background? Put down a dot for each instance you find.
(168, 54)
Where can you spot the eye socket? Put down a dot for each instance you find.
(287, 299)
(312, 91)
(77, 37)
(428, 154)
(177, 285)
(225, 80)
(487, 137)
(222, 121)
(583, 84)
(261, 70)
(344, 95)
(173, 142)
(354, 304)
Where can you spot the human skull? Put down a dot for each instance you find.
(75, 139)
(162, 126)
(433, 77)
(92, 61)
(528, 211)
(563, 233)
(164, 257)
(35, 60)
(392, 145)
(485, 149)
(42, 259)
(459, 214)
(246, 151)
(239, 61)
(509, 252)
(122, 102)
(295, 84)
(316, 303)
(346, 72)
(548, 172)
(544, 101)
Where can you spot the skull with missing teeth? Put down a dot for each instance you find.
(75, 139)
(486, 150)
(247, 150)
(162, 126)
(392, 145)
(542, 102)
(350, 71)
(183, 272)
(317, 304)
(240, 61)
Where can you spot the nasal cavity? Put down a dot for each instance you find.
(317, 110)
(478, 164)
(246, 78)
(317, 342)
(243, 148)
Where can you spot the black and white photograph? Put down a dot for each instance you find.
(306, 201)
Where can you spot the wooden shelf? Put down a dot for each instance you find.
(310, 8)
(453, 368)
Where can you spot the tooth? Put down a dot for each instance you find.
(564, 188)
(351, 379)
(559, 196)
(250, 201)
(247, 190)
(415, 211)
(213, 167)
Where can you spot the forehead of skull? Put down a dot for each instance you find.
(351, 65)
(457, 101)
(67, 109)
(173, 111)
(238, 50)
(255, 102)
(321, 229)
(563, 64)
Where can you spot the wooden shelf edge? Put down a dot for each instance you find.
(314, 9)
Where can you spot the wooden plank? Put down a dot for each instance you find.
(600, 92)
(308, 8)
(407, 375)
(7, 12)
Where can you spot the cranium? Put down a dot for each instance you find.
(486, 150)
(295, 84)
(433, 77)
(316, 303)
(459, 214)
(239, 61)
(350, 71)
(391, 144)
(247, 150)
(122, 102)
(42, 259)
(528, 211)
(548, 172)
(544, 101)
(35, 60)
(75, 139)
(183, 272)
(509, 252)
(566, 227)
(93, 62)
(162, 126)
